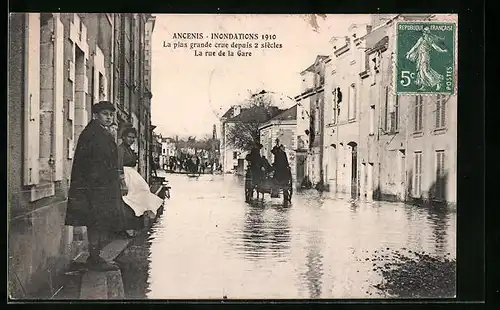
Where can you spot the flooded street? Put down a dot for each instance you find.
(209, 243)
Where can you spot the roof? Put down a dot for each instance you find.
(289, 114)
(256, 114)
(228, 113)
(311, 67)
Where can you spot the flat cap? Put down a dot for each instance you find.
(103, 105)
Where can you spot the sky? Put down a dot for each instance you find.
(190, 93)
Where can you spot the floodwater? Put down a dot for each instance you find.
(210, 244)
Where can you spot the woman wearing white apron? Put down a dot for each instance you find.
(139, 197)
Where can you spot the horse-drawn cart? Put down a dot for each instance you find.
(267, 182)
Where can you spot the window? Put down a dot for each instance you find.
(235, 155)
(31, 150)
(334, 107)
(316, 119)
(440, 175)
(351, 102)
(417, 175)
(372, 120)
(440, 112)
(395, 116)
(418, 114)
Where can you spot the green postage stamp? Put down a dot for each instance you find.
(425, 58)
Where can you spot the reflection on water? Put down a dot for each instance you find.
(265, 233)
(314, 264)
(439, 222)
(209, 243)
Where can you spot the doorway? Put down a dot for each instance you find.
(300, 166)
(402, 174)
(354, 170)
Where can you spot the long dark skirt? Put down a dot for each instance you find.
(131, 220)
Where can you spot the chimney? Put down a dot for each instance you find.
(236, 110)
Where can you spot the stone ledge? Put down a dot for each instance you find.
(94, 285)
(105, 285)
(102, 285)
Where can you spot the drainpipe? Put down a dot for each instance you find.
(379, 146)
(335, 110)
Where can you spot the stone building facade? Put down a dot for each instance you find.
(311, 102)
(60, 64)
(282, 127)
(384, 146)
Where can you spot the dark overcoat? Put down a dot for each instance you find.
(94, 198)
(281, 165)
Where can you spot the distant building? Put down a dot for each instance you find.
(156, 149)
(233, 159)
(168, 150)
(283, 127)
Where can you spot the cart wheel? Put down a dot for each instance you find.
(248, 191)
(286, 195)
(248, 195)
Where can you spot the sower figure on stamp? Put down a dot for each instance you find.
(97, 185)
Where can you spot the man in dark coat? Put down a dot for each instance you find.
(97, 184)
(281, 165)
(256, 161)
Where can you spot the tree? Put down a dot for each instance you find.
(243, 129)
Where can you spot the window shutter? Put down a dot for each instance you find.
(438, 112)
(32, 99)
(354, 103)
(419, 157)
(416, 114)
(386, 109)
(420, 112)
(95, 83)
(443, 112)
(58, 135)
(105, 88)
(71, 70)
(418, 175)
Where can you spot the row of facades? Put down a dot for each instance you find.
(60, 64)
(373, 144)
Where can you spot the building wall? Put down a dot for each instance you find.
(230, 163)
(285, 131)
(50, 89)
(384, 127)
(53, 82)
(428, 141)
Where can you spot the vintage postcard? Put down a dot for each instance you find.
(224, 157)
